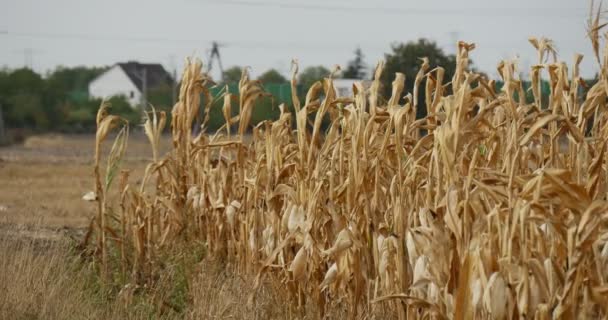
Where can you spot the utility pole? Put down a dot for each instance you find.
(174, 81)
(144, 88)
(215, 53)
(174, 88)
(142, 75)
(28, 57)
(3, 139)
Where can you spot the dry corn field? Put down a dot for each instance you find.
(489, 207)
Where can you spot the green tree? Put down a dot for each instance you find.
(312, 74)
(22, 93)
(66, 81)
(81, 117)
(24, 79)
(66, 89)
(161, 97)
(272, 76)
(27, 110)
(4, 87)
(121, 106)
(356, 68)
(233, 74)
(60, 101)
(405, 58)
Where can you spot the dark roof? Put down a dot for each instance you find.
(156, 75)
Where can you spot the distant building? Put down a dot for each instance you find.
(344, 87)
(131, 80)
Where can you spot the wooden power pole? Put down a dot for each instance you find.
(144, 85)
(3, 139)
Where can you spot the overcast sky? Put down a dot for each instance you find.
(267, 34)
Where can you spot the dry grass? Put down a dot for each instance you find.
(34, 285)
(41, 279)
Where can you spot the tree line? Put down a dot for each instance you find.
(58, 101)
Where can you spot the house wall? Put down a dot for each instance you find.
(114, 82)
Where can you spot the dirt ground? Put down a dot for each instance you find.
(42, 181)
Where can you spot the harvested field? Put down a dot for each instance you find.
(43, 181)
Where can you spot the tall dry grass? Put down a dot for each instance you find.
(41, 279)
(498, 211)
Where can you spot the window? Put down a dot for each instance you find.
(131, 94)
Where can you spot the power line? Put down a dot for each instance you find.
(245, 44)
(494, 12)
(90, 37)
(281, 45)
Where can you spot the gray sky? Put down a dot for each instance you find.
(267, 34)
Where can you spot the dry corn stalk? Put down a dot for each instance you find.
(499, 211)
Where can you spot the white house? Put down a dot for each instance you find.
(130, 80)
(344, 87)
